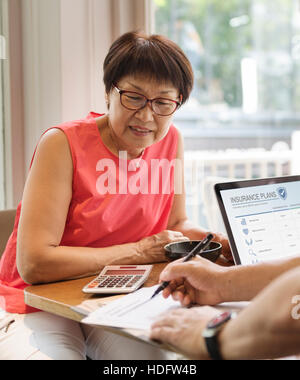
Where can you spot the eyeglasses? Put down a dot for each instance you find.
(135, 101)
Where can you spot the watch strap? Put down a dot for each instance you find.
(212, 346)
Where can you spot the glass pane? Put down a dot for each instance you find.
(245, 104)
(2, 57)
(246, 60)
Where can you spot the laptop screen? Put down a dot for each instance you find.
(262, 218)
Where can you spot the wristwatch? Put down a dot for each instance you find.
(210, 334)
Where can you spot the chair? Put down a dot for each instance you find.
(7, 220)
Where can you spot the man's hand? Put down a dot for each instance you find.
(198, 281)
(182, 328)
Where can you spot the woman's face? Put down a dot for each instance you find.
(135, 130)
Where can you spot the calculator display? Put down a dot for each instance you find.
(114, 272)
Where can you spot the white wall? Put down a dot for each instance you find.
(3, 55)
(41, 69)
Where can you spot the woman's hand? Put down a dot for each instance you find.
(198, 281)
(226, 252)
(182, 328)
(152, 247)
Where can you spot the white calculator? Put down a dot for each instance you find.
(119, 279)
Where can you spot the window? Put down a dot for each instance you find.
(245, 105)
(246, 60)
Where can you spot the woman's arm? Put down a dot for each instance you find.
(45, 204)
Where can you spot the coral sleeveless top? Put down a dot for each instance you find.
(114, 200)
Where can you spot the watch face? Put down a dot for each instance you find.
(219, 320)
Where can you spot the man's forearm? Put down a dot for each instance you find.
(242, 283)
(268, 328)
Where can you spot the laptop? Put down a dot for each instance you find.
(261, 217)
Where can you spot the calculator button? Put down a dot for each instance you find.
(130, 284)
(103, 284)
(92, 285)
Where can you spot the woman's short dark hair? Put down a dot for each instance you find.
(154, 56)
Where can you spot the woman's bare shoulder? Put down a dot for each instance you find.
(53, 146)
(54, 136)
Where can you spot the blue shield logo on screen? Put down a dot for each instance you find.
(281, 191)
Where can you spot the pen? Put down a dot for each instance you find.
(199, 248)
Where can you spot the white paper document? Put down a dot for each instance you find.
(135, 310)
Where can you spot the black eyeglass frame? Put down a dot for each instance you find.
(121, 92)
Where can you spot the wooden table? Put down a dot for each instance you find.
(59, 297)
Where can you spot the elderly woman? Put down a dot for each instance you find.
(101, 191)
